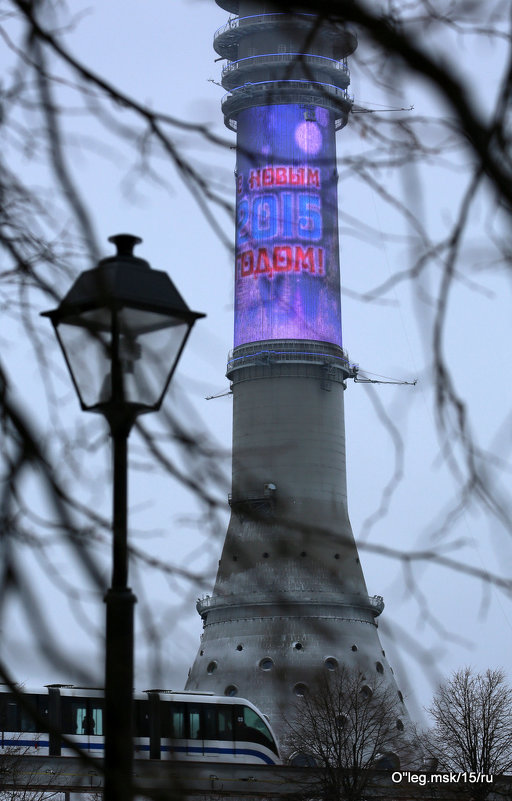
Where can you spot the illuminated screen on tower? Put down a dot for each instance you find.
(287, 283)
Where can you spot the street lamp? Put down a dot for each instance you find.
(122, 328)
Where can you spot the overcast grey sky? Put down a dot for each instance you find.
(161, 53)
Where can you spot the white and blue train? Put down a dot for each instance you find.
(167, 725)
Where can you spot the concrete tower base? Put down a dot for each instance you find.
(290, 601)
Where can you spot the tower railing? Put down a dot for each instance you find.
(259, 19)
(285, 91)
(373, 602)
(271, 86)
(253, 19)
(290, 350)
(228, 36)
(307, 58)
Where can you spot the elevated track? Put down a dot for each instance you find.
(173, 780)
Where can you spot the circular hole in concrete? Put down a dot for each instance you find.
(399, 725)
(380, 667)
(266, 663)
(239, 647)
(336, 556)
(300, 689)
(354, 647)
(366, 691)
(400, 696)
(265, 555)
(303, 553)
(212, 667)
(231, 690)
(331, 663)
(298, 646)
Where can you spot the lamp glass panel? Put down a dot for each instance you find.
(149, 348)
(149, 344)
(87, 349)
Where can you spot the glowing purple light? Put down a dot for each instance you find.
(287, 282)
(322, 116)
(308, 136)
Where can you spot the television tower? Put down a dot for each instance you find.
(290, 600)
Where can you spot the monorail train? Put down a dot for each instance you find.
(167, 725)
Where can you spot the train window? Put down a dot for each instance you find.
(94, 720)
(210, 722)
(178, 721)
(217, 722)
(141, 719)
(82, 716)
(42, 712)
(194, 722)
(224, 722)
(12, 722)
(166, 720)
(82, 721)
(27, 722)
(9, 715)
(34, 715)
(29, 716)
(250, 727)
(73, 712)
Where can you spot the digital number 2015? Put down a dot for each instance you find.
(283, 215)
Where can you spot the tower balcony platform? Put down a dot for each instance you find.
(322, 602)
(337, 38)
(331, 358)
(286, 66)
(280, 92)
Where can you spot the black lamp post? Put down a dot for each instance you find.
(122, 328)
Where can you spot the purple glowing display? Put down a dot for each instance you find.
(287, 283)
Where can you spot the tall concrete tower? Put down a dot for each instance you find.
(290, 600)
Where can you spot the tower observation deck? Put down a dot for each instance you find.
(290, 601)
